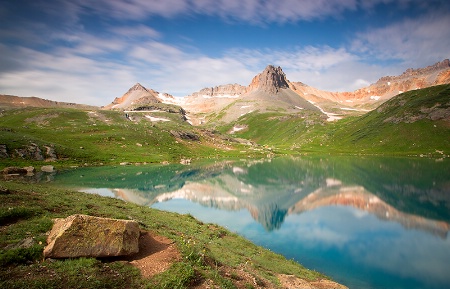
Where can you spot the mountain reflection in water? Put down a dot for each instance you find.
(368, 222)
(398, 190)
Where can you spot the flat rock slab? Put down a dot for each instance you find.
(87, 236)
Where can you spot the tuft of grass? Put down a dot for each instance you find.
(72, 273)
(178, 276)
(21, 255)
(13, 214)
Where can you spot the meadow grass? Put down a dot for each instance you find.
(209, 252)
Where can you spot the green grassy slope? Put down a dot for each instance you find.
(99, 136)
(414, 122)
(278, 129)
(208, 252)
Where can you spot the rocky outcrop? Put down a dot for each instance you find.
(186, 135)
(87, 236)
(271, 80)
(227, 90)
(32, 152)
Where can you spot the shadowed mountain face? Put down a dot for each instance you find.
(395, 190)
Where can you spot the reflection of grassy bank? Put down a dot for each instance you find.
(209, 252)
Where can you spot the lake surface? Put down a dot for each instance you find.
(367, 222)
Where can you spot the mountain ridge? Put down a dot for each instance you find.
(269, 90)
(335, 104)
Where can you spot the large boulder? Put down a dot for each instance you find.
(87, 236)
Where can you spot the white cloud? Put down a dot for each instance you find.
(78, 65)
(418, 42)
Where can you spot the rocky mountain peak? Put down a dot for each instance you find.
(135, 96)
(271, 80)
(137, 87)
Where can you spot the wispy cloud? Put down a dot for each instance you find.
(255, 11)
(414, 41)
(58, 54)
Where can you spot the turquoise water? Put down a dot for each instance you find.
(365, 222)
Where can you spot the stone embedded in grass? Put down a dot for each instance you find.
(87, 236)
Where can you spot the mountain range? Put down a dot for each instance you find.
(269, 116)
(272, 91)
(268, 91)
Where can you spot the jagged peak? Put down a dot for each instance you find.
(272, 79)
(138, 87)
(440, 65)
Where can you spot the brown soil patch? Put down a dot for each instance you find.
(156, 254)
(292, 282)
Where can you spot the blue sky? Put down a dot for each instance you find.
(91, 51)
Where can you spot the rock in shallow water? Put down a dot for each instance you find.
(87, 236)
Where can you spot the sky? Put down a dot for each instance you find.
(91, 51)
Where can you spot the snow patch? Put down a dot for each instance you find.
(236, 129)
(247, 112)
(245, 106)
(348, 100)
(375, 97)
(151, 118)
(298, 107)
(170, 100)
(331, 116)
(221, 96)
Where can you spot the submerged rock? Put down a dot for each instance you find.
(87, 236)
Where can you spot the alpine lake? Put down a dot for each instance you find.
(367, 222)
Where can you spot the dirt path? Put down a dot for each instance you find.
(156, 254)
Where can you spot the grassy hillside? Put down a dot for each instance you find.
(278, 129)
(209, 253)
(415, 122)
(108, 137)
